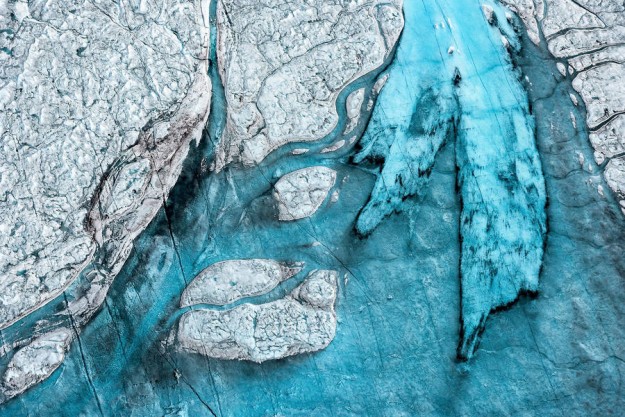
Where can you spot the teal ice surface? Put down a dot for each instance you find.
(503, 219)
(395, 350)
(453, 78)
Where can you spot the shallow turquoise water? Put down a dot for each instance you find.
(395, 349)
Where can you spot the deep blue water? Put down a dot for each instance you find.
(399, 301)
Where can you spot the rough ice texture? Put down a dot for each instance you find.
(528, 10)
(303, 321)
(353, 103)
(228, 281)
(375, 90)
(334, 147)
(300, 193)
(502, 189)
(473, 96)
(86, 92)
(408, 152)
(35, 362)
(503, 216)
(590, 34)
(615, 175)
(98, 108)
(558, 354)
(283, 65)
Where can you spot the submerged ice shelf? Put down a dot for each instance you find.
(448, 144)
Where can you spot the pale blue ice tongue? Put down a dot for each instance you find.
(455, 64)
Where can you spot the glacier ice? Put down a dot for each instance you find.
(281, 83)
(35, 362)
(228, 281)
(303, 321)
(354, 103)
(475, 98)
(300, 193)
(450, 104)
(91, 154)
(589, 36)
(407, 149)
(76, 107)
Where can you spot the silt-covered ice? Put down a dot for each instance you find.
(35, 362)
(228, 281)
(284, 64)
(300, 193)
(303, 321)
